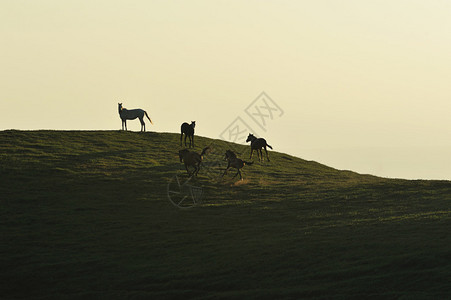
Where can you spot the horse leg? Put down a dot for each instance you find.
(252, 152)
(238, 173)
(198, 168)
(261, 154)
(225, 172)
(185, 139)
(181, 137)
(143, 125)
(267, 156)
(192, 137)
(186, 167)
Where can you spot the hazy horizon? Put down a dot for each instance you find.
(362, 86)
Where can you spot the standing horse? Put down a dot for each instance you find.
(234, 162)
(258, 144)
(192, 159)
(131, 114)
(188, 130)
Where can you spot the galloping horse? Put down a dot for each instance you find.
(131, 114)
(188, 130)
(192, 159)
(258, 144)
(234, 162)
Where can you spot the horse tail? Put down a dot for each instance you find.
(148, 117)
(268, 146)
(248, 163)
(204, 151)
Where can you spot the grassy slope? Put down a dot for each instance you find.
(86, 214)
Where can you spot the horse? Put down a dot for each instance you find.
(188, 130)
(234, 162)
(258, 144)
(192, 159)
(131, 114)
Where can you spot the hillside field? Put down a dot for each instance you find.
(86, 215)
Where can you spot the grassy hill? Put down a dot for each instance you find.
(86, 214)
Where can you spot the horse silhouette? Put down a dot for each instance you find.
(188, 130)
(192, 159)
(234, 162)
(131, 114)
(258, 144)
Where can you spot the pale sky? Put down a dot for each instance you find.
(363, 85)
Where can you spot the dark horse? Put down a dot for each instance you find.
(192, 159)
(258, 144)
(235, 162)
(188, 130)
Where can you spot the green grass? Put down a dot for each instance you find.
(85, 214)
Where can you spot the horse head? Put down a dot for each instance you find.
(182, 154)
(229, 154)
(120, 107)
(193, 124)
(250, 138)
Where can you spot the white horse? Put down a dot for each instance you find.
(131, 114)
